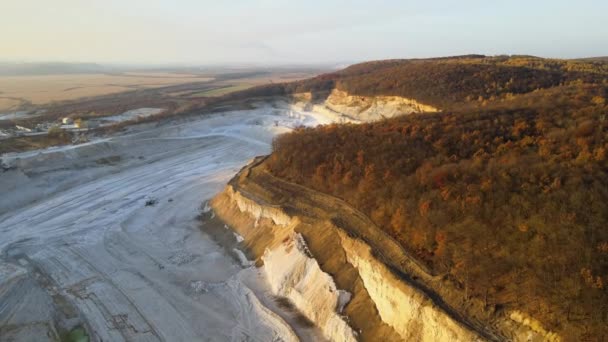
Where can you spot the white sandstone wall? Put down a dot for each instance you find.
(345, 107)
(413, 315)
(295, 275)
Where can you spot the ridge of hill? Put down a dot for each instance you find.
(449, 83)
(502, 193)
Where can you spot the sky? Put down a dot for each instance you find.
(269, 32)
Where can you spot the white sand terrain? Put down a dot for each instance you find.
(80, 247)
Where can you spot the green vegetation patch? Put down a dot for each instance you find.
(78, 334)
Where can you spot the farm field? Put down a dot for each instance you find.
(17, 91)
(223, 90)
(8, 103)
(37, 102)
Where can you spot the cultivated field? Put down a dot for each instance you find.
(41, 91)
(8, 103)
(37, 102)
(16, 91)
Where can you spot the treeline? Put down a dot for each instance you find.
(506, 199)
(447, 83)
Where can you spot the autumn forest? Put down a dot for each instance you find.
(504, 192)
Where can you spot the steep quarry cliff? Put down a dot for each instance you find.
(287, 261)
(348, 107)
(345, 275)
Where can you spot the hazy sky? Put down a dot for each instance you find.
(295, 32)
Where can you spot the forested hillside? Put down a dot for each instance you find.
(504, 193)
(447, 83)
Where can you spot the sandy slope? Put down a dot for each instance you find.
(80, 247)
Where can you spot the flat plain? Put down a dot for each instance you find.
(17, 91)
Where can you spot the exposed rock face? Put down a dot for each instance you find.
(292, 272)
(297, 276)
(333, 267)
(363, 108)
(404, 308)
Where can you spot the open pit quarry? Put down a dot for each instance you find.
(105, 236)
(137, 237)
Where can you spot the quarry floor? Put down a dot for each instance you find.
(105, 236)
